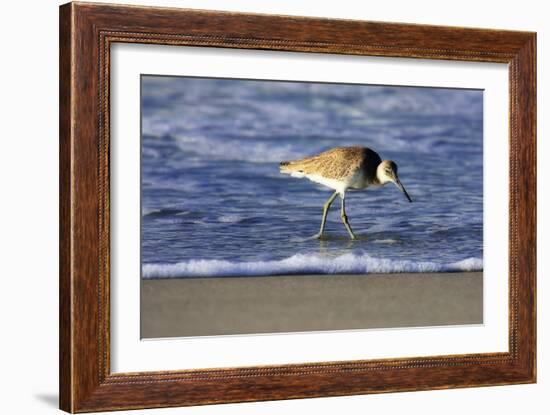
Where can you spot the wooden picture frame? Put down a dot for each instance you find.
(86, 33)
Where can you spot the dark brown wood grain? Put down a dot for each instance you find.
(65, 249)
(86, 33)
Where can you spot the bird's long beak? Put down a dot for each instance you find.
(402, 188)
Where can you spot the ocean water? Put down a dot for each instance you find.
(214, 203)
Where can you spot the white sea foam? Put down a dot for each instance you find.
(304, 264)
(385, 241)
(228, 149)
(231, 218)
(147, 211)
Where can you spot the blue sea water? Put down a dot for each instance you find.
(214, 203)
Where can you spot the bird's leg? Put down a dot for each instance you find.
(345, 217)
(325, 212)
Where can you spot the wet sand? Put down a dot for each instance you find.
(216, 306)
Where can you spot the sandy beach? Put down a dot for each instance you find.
(215, 306)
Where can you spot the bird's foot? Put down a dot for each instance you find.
(319, 236)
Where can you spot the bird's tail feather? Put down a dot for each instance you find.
(292, 168)
(286, 167)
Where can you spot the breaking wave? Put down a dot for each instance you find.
(304, 264)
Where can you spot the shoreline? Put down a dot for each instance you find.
(208, 306)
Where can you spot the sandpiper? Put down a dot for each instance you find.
(342, 169)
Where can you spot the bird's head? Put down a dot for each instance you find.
(387, 172)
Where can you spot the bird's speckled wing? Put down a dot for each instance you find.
(336, 163)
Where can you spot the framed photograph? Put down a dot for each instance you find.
(258, 207)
